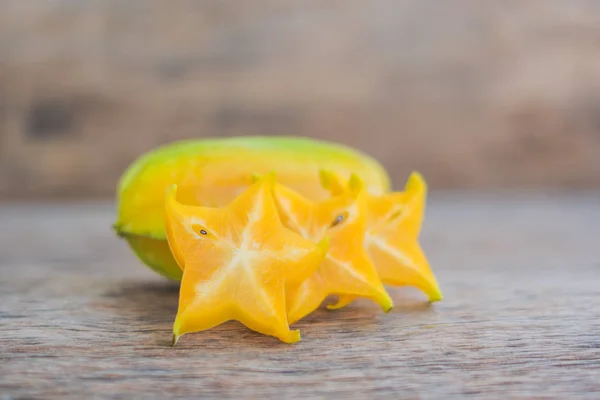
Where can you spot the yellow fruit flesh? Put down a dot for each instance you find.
(347, 269)
(238, 260)
(391, 239)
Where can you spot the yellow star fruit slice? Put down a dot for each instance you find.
(347, 269)
(237, 261)
(393, 228)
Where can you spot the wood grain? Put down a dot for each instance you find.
(81, 318)
(504, 94)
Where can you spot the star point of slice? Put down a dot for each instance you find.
(347, 269)
(393, 229)
(237, 261)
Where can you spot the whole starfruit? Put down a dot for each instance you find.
(212, 172)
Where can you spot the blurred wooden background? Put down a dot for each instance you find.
(501, 95)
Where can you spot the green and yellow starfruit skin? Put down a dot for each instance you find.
(211, 172)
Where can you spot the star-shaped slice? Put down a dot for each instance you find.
(393, 228)
(237, 261)
(347, 269)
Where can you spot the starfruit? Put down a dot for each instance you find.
(392, 236)
(346, 270)
(212, 172)
(238, 261)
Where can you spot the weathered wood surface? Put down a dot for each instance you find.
(504, 94)
(81, 318)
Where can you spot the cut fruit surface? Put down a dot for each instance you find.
(212, 172)
(238, 260)
(347, 269)
(393, 227)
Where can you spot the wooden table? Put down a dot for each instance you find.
(520, 319)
